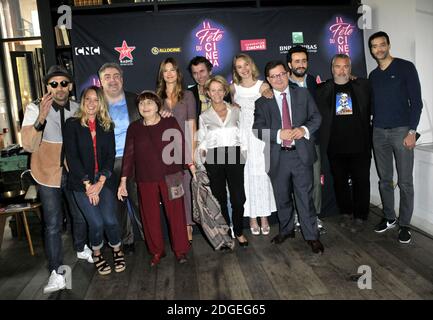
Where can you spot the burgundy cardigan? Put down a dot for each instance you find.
(147, 157)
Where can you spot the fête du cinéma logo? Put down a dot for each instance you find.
(340, 34)
(208, 39)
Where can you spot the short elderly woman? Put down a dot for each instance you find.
(90, 153)
(219, 140)
(152, 149)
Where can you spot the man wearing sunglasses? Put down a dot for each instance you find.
(42, 136)
(287, 124)
(123, 110)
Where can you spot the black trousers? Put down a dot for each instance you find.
(355, 198)
(225, 166)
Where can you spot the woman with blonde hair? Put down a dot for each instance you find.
(220, 143)
(181, 103)
(90, 152)
(246, 89)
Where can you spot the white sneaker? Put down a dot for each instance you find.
(56, 282)
(86, 254)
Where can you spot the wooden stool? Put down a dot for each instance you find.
(34, 207)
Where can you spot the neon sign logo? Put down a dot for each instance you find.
(208, 38)
(340, 33)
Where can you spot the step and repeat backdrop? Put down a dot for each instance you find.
(139, 41)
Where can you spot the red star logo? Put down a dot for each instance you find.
(125, 51)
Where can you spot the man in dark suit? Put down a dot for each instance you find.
(123, 110)
(345, 137)
(297, 60)
(287, 123)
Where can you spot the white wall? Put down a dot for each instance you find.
(409, 24)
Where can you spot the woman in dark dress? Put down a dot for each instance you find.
(181, 103)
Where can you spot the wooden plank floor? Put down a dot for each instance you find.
(262, 271)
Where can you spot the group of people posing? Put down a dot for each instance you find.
(116, 155)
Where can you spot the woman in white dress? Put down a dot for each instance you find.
(245, 90)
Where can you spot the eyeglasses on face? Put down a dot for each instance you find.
(279, 75)
(55, 84)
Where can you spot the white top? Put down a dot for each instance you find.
(260, 200)
(251, 93)
(215, 133)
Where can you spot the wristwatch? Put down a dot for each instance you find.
(39, 126)
(411, 131)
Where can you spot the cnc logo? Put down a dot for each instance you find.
(87, 51)
(125, 54)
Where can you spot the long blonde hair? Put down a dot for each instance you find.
(102, 116)
(254, 71)
(162, 86)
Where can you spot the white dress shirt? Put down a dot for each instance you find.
(279, 97)
(215, 133)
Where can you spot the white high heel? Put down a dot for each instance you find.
(265, 230)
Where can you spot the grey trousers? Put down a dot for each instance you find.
(294, 177)
(317, 186)
(125, 223)
(388, 144)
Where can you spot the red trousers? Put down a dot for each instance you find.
(150, 194)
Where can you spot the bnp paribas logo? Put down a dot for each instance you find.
(297, 37)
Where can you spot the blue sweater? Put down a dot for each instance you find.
(396, 94)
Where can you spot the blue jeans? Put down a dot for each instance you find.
(388, 143)
(52, 204)
(100, 218)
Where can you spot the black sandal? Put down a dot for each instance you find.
(101, 265)
(119, 261)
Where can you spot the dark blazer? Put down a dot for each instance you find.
(133, 112)
(311, 85)
(304, 113)
(194, 90)
(80, 156)
(325, 102)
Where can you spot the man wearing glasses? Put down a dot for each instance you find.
(42, 136)
(123, 110)
(287, 123)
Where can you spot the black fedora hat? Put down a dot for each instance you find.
(57, 70)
